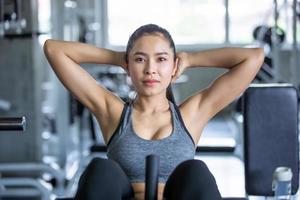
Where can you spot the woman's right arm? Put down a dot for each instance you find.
(65, 57)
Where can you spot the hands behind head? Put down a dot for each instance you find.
(120, 60)
(181, 64)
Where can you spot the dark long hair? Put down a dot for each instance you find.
(152, 29)
(170, 94)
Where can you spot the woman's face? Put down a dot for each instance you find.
(151, 65)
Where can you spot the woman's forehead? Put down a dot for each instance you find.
(151, 44)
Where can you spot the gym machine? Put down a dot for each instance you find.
(22, 186)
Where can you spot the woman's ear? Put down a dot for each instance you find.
(175, 67)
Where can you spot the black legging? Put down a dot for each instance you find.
(104, 179)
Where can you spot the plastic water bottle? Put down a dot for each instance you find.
(281, 185)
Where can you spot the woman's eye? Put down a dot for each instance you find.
(162, 59)
(139, 59)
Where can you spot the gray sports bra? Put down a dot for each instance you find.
(130, 150)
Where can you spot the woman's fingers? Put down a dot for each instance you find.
(179, 70)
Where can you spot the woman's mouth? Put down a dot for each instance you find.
(150, 82)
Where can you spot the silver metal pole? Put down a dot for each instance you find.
(21, 182)
(226, 2)
(59, 175)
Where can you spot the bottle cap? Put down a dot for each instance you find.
(283, 174)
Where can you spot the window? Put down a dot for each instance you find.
(44, 16)
(245, 16)
(198, 22)
(188, 21)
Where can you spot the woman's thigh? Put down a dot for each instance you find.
(191, 180)
(103, 179)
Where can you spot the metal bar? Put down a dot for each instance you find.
(23, 35)
(152, 171)
(36, 167)
(20, 192)
(12, 123)
(227, 21)
(45, 193)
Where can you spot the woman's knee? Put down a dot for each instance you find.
(192, 167)
(197, 171)
(191, 180)
(193, 164)
(107, 174)
(97, 164)
(94, 169)
(102, 169)
(101, 162)
(189, 171)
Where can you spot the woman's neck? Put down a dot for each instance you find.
(151, 104)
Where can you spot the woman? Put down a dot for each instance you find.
(151, 123)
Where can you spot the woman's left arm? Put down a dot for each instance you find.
(242, 64)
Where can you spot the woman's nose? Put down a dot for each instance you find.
(150, 68)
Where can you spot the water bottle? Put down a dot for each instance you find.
(281, 184)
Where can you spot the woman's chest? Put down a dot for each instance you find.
(152, 128)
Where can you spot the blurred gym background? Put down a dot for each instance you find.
(62, 136)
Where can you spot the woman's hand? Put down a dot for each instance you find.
(181, 64)
(120, 59)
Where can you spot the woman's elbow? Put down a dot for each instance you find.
(258, 56)
(50, 47)
(47, 46)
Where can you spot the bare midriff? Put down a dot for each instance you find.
(139, 191)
